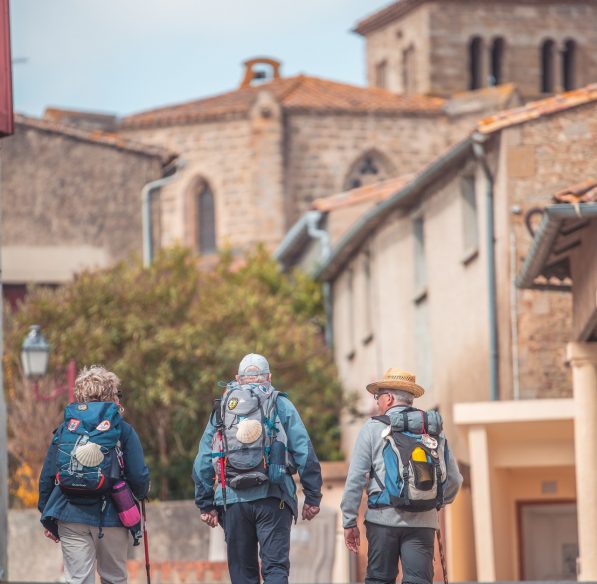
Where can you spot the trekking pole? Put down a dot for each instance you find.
(146, 543)
(442, 556)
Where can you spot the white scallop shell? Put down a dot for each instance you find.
(248, 431)
(89, 454)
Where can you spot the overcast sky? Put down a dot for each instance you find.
(123, 56)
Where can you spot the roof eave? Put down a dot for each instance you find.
(545, 238)
(352, 240)
(97, 138)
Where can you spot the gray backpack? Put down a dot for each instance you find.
(249, 435)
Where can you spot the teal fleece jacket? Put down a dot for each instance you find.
(299, 445)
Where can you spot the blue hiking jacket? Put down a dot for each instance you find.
(299, 445)
(54, 505)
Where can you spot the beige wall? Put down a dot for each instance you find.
(61, 194)
(441, 31)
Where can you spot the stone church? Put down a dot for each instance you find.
(259, 155)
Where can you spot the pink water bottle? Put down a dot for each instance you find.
(125, 504)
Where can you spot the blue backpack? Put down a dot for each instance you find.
(88, 456)
(415, 462)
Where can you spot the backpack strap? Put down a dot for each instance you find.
(376, 478)
(383, 419)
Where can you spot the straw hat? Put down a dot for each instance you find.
(397, 379)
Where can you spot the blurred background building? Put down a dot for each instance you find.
(441, 209)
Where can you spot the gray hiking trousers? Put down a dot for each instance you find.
(413, 546)
(83, 551)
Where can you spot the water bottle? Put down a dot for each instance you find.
(277, 463)
(125, 504)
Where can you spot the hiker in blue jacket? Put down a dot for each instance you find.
(87, 527)
(409, 473)
(256, 516)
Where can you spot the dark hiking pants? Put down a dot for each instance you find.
(258, 524)
(413, 546)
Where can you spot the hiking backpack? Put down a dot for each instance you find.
(250, 441)
(88, 456)
(415, 462)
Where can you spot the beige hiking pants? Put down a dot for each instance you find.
(81, 548)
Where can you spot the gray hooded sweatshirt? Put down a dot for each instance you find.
(367, 454)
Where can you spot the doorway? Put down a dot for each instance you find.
(549, 541)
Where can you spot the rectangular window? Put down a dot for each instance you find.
(381, 70)
(419, 256)
(470, 219)
(423, 345)
(409, 80)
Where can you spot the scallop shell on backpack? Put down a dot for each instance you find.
(89, 454)
(248, 431)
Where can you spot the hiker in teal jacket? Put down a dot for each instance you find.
(259, 516)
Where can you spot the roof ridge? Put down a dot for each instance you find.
(110, 139)
(538, 108)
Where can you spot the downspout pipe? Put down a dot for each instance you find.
(147, 196)
(481, 156)
(326, 249)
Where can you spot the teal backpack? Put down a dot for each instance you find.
(88, 455)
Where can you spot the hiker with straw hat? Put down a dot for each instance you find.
(403, 459)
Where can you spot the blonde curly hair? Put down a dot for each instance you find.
(96, 383)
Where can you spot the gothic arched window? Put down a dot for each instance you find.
(569, 65)
(497, 61)
(369, 168)
(475, 63)
(205, 218)
(548, 82)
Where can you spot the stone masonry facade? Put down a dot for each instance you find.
(541, 158)
(59, 190)
(438, 35)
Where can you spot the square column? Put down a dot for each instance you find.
(583, 359)
(482, 507)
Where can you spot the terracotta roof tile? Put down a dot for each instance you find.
(97, 137)
(584, 192)
(293, 93)
(375, 193)
(484, 100)
(538, 109)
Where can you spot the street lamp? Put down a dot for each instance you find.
(35, 354)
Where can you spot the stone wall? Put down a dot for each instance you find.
(322, 148)
(441, 32)
(182, 549)
(240, 158)
(63, 193)
(388, 45)
(538, 159)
